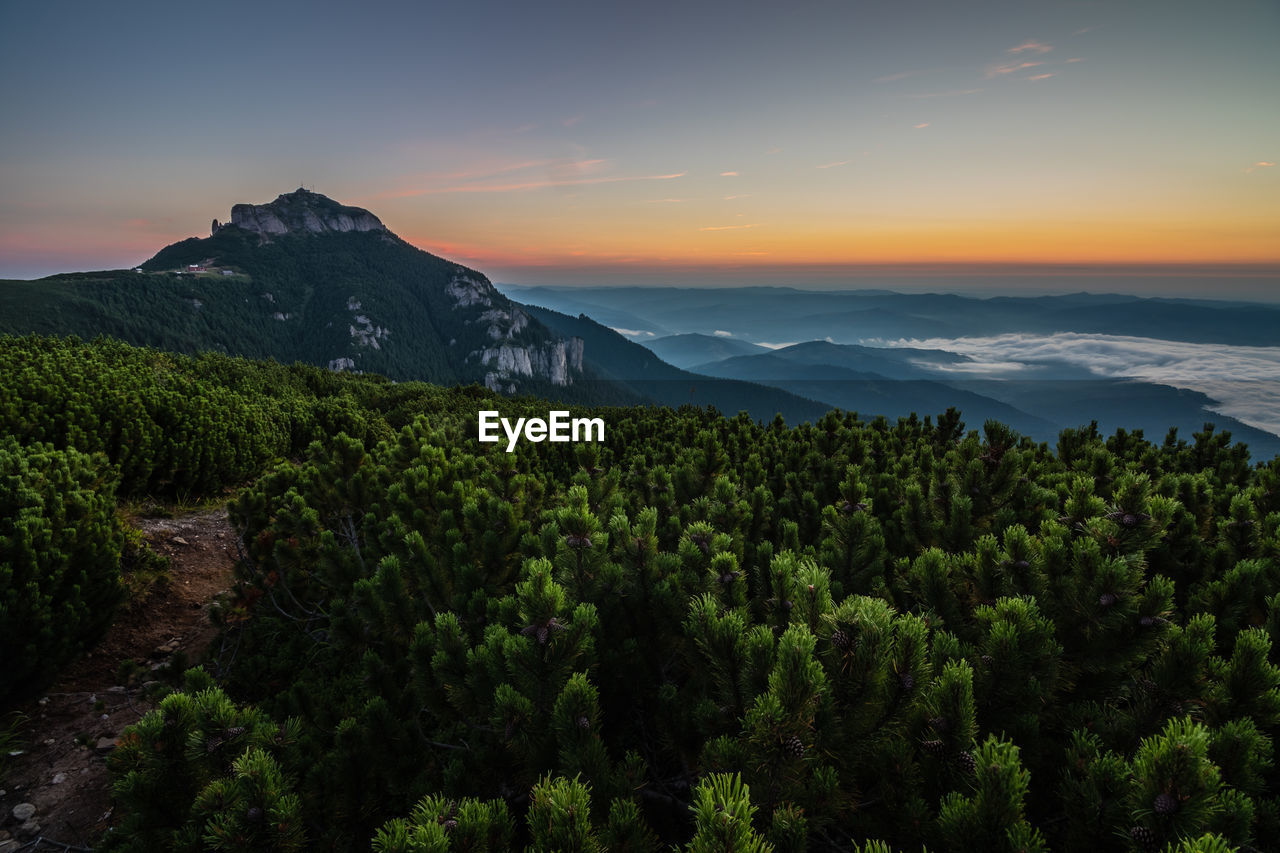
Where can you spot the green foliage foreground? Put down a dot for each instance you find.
(59, 560)
(725, 635)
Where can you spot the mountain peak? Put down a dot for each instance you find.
(301, 211)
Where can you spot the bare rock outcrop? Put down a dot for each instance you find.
(302, 211)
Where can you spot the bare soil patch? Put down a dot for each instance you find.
(74, 725)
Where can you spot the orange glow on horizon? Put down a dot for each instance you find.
(752, 244)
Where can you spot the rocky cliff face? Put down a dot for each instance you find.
(503, 320)
(555, 361)
(302, 212)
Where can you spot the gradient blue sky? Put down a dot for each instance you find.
(662, 142)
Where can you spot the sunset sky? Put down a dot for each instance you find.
(632, 143)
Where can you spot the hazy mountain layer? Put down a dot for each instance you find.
(785, 315)
(635, 367)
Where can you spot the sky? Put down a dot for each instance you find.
(675, 143)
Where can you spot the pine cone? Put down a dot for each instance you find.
(1107, 599)
(793, 747)
(908, 681)
(254, 815)
(964, 760)
(1165, 804)
(450, 825)
(841, 640)
(1143, 837)
(584, 723)
(936, 748)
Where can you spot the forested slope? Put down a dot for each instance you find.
(708, 631)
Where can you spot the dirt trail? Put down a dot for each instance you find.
(74, 725)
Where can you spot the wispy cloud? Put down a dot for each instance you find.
(833, 165)
(536, 185)
(728, 174)
(1040, 76)
(1084, 30)
(1031, 46)
(774, 150)
(1261, 164)
(721, 333)
(571, 121)
(739, 195)
(921, 125)
(1076, 59)
(558, 173)
(632, 333)
(1009, 68)
(729, 227)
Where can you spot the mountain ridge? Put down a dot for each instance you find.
(305, 278)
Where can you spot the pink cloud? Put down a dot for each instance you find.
(728, 174)
(1039, 76)
(728, 227)
(1010, 68)
(1032, 46)
(542, 184)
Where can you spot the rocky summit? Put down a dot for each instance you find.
(301, 211)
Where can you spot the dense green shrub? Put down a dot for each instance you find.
(59, 560)
(711, 632)
(882, 631)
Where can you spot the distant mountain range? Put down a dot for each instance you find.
(691, 350)
(785, 315)
(720, 331)
(634, 367)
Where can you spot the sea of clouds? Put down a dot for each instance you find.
(1244, 381)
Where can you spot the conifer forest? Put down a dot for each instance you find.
(705, 633)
